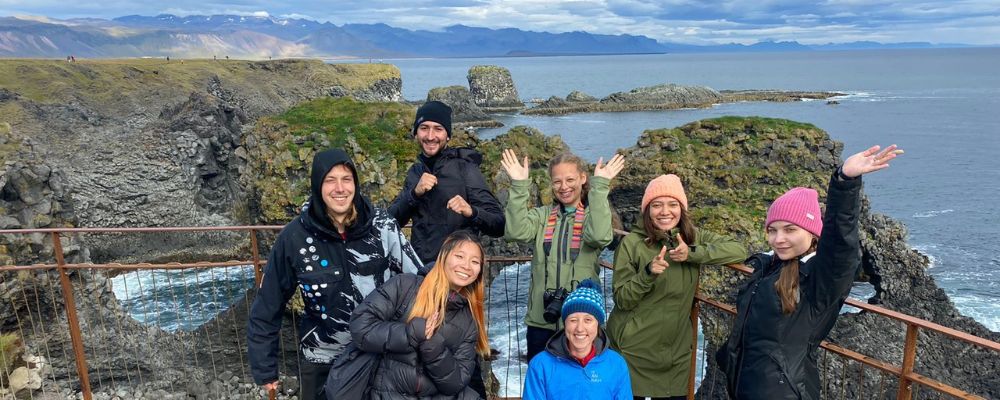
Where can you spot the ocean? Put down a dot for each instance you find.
(941, 105)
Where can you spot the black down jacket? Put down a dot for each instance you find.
(770, 355)
(457, 172)
(414, 367)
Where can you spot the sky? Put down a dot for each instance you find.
(678, 21)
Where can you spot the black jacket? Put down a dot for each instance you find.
(414, 367)
(770, 355)
(457, 172)
(331, 272)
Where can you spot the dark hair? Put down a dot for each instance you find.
(581, 166)
(653, 234)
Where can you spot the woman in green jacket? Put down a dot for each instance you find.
(656, 273)
(568, 235)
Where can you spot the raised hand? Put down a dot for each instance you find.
(680, 253)
(658, 265)
(460, 206)
(431, 325)
(870, 160)
(515, 170)
(615, 165)
(427, 182)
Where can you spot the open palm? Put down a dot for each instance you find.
(870, 160)
(517, 171)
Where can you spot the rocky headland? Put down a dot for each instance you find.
(663, 97)
(143, 143)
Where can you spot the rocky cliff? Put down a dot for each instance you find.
(87, 119)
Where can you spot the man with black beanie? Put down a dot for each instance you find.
(444, 190)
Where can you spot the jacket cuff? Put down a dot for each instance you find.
(599, 183)
(415, 331)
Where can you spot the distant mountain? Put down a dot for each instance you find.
(261, 37)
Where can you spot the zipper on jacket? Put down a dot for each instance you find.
(739, 354)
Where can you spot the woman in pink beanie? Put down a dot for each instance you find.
(656, 273)
(795, 293)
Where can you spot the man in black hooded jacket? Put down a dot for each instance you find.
(336, 252)
(444, 190)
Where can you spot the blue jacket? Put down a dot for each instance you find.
(555, 375)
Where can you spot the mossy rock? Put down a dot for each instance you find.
(11, 347)
(377, 134)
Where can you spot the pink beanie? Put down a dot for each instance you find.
(664, 185)
(799, 206)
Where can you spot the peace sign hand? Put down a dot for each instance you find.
(515, 170)
(870, 160)
(615, 165)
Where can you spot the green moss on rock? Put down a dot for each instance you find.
(283, 146)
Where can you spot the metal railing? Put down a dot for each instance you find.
(909, 380)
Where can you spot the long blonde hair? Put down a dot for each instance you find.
(787, 284)
(432, 297)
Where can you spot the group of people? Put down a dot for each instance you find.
(416, 305)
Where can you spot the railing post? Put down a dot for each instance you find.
(694, 348)
(258, 273)
(909, 359)
(71, 318)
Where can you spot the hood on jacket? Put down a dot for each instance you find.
(314, 210)
(558, 347)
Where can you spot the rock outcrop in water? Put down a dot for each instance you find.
(664, 97)
(465, 112)
(493, 89)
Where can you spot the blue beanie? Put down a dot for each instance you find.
(586, 298)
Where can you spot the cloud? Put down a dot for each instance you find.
(685, 21)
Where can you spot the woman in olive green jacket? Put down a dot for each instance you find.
(656, 272)
(568, 235)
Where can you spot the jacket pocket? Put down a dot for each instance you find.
(320, 289)
(783, 381)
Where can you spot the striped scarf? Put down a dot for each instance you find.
(550, 228)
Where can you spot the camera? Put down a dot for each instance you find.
(553, 300)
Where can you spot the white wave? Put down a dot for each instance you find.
(180, 299)
(926, 251)
(932, 213)
(983, 309)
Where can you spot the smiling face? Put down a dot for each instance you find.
(581, 331)
(788, 240)
(338, 191)
(463, 264)
(432, 138)
(665, 212)
(567, 184)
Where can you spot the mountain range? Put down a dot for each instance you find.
(263, 37)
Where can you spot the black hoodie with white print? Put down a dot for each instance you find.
(333, 272)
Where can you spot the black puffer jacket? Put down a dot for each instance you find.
(457, 172)
(770, 355)
(333, 273)
(413, 367)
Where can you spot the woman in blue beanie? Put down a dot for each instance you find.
(577, 362)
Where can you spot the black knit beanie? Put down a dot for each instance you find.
(434, 111)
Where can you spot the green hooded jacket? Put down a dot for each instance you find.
(557, 268)
(650, 324)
